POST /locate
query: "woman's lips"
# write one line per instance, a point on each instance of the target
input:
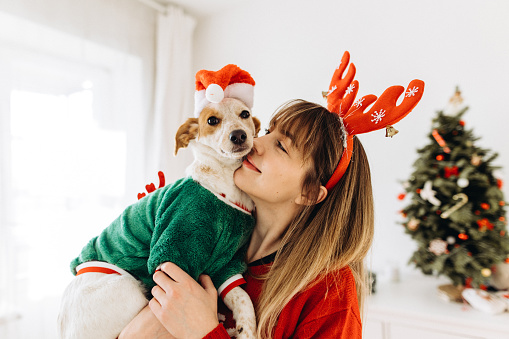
(248, 163)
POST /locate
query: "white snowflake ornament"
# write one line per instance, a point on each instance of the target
(377, 116)
(350, 89)
(412, 92)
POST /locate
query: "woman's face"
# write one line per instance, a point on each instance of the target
(274, 170)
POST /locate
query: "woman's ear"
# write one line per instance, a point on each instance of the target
(304, 199)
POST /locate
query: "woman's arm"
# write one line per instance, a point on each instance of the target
(145, 326)
(187, 309)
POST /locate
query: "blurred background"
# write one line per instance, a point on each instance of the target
(92, 92)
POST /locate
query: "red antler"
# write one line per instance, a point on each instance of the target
(151, 187)
(385, 112)
(342, 92)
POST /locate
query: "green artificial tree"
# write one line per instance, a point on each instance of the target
(457, 209)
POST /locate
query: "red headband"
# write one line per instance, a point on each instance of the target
(383, 113)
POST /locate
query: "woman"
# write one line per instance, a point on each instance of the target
(306, 274)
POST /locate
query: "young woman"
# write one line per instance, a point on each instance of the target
(309, 178)
(306, 274)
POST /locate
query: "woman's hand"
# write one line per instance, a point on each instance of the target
(187, 309)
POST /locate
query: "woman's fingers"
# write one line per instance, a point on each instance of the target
(175, 272)
(185, 307)
(207, 284)
(155, 307)
(158, 293)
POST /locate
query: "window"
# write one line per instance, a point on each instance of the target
(71, 143)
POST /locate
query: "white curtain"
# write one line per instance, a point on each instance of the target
(173, 93)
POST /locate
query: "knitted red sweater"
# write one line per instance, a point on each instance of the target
(327, 310)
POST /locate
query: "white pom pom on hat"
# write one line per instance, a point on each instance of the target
(214, 93)
(229, 82)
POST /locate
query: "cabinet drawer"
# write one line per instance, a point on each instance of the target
(373, 329)
(398, 331)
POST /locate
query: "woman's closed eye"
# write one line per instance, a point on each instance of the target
(280, 145)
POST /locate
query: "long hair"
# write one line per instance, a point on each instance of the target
(327, 236)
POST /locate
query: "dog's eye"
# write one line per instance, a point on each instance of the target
(244, 114)
(212, 121)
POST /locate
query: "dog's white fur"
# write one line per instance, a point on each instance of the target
(97, 305)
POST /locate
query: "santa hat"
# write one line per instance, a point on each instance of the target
(229, 82)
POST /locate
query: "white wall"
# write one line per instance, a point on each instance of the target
(292, 47)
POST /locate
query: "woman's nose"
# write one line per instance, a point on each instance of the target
(258, 145)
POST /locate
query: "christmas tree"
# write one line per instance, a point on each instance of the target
(457, 209)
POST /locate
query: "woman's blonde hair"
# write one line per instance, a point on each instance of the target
(327, 236)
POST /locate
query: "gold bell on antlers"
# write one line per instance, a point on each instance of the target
(390, 131)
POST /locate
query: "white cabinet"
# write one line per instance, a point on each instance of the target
(412, 309)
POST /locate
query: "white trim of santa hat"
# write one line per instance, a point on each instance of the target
(229, 82)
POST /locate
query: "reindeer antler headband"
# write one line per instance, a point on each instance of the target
(383, 113)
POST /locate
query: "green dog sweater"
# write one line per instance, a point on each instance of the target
(183, 223)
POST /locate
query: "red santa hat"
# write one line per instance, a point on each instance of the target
(229, 82)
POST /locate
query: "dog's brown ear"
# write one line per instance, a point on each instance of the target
(257, 125)
(186, 132)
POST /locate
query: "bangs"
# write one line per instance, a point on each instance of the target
(302, 122)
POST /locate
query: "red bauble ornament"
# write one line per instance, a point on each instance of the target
(484, 224)
(463, 236)
(440, 157)
(462, 123)
(500, 183)
(485, 206)
(401, 196)
(448, 171)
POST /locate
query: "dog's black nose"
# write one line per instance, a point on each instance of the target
(238, 136)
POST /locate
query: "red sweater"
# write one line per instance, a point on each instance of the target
(310, 314)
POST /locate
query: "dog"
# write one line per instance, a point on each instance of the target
(104, 296)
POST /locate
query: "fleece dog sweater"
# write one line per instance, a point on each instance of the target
(183, 223)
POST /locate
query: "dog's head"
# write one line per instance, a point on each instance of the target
(226, 127)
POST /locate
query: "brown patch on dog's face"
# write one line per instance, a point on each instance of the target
(186, 132)
(209, 121)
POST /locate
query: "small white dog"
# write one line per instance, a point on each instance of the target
(201, 224)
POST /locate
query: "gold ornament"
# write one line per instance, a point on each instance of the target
(390, 131)
(413, 224)
(476, 160)
(456, 99)
(324, 94)
(486, 272)
(455, 103)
